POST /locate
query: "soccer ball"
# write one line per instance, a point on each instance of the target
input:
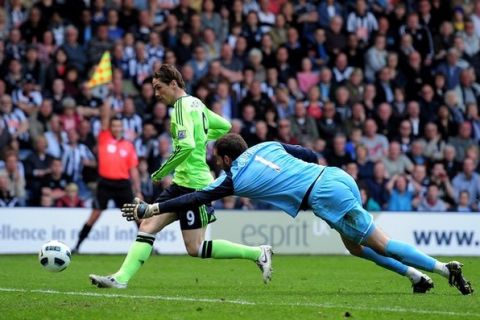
(54, 256)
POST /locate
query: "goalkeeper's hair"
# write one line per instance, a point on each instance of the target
(167, 73)
(231, 145)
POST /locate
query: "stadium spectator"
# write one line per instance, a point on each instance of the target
(14, 171)
(434, 145)
(46, 48)
(463, 202)
(7, 199)
(54, 183)
(376, 144)
(367, 202)
(71, 198)
(431, 201)
(75, 53)
(400, 196)
(376, 185)
(337, 155)
(362, 22)
(375, 58)
(468, 180)
(462, 141)
(36, 168)
(304, 127)
(395, 162)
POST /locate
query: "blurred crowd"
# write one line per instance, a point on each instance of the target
(385, 89)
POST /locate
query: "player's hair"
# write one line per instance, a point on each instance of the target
(231, 145)
(167, 73)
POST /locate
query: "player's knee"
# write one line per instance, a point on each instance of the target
(355, 250)
(192, 248)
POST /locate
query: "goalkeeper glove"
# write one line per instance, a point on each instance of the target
(139, 210)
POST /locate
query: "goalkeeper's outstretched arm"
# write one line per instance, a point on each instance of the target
(222, 187)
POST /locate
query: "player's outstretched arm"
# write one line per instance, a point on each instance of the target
(217, 126)
(222, 187)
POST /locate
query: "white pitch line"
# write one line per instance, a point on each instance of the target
(243, 302)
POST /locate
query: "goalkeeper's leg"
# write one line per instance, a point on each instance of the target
(421, 283)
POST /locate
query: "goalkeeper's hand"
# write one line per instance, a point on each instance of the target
(139, 210)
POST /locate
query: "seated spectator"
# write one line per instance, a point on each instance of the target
(36, 168)
(368, 203)
(446, 126)
(434, 145)
(405, 137)
(473, 117)
(285, 132)
(54, 183)
(13, 170)
(306, 77)
(468, 90)
(439, 177)
(462, 141)
(27, 97)
(396, 162)
(7, 199)
(69, 118)
(75, 157)
(365, 166)
(377, 144)
(375, 58)
(248, 124)
(416, 153)
(71, 198)
(450, 164)
(132, 122)
(15, 119)
(341, 70)
(400, 196)
(355, 86)
(387, 123)
(258, 99)
(468, 180)
(431, 202)
(463, 202)
(451, 69)
(337, 155)
(329, 123)
(377, 185)
(304, 127)
(362, 22)
(352, 169)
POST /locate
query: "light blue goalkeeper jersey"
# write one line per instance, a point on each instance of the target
(271, 172)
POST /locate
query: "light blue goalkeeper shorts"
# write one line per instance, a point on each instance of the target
(335, 198)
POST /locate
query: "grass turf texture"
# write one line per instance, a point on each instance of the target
(180, 287)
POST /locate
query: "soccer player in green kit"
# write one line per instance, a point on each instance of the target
(192, 126)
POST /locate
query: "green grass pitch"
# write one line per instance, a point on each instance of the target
(180, 287)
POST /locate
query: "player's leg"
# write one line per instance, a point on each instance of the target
(421, 283)
(411, 256)
(194, 224)
(138, 253)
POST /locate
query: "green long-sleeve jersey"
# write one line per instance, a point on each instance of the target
(192, 125)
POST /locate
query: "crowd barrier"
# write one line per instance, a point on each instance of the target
(23, 230)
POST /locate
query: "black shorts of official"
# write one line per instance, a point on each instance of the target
(120, 191)
(189, 219)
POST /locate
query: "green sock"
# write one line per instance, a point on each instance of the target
(138, 253)
(223, 249)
